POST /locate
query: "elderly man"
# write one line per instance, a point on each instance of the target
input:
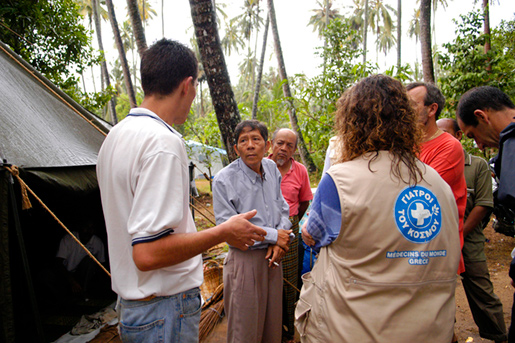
(439, 149)
(297, 193)
(253, 279)
(487, 115)
(485, 305)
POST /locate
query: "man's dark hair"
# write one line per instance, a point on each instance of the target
(254, 125)
(164, 65)
(279, 129)
(433, 95)
(481, 98)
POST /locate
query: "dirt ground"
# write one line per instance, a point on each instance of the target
(497, 248)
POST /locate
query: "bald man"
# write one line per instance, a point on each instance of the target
(296, 191)
(485, 305)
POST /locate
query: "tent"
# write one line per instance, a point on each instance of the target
(54, 143)
(208, 160)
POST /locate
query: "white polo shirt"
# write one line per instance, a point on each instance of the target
(142, 173)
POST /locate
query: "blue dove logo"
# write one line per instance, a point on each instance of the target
(417, 214)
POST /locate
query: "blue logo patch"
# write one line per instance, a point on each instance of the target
(417, 214)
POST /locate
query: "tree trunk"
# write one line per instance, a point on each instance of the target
(486, 9)
(325, 38)
(137, 25)
(121, 52)
(93, 79)
(254, 60)
(304, 153)
(260, 70)
(399, 33)
(163, 18)
(213, 62)
(105, 73)
(365, 30)
(425, 41)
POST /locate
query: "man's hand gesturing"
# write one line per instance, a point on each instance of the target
(240, 233)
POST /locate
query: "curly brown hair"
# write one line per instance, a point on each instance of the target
(376, 114)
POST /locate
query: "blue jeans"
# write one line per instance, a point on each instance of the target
(173, 318)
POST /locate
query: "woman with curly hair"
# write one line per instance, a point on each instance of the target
(387, 229)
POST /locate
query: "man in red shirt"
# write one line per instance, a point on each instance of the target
(440, 150)
(297, 193)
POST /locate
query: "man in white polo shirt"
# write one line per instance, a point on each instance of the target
(154, 247)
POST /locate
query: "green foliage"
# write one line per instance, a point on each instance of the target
(93, 102)
(51, 38)
(203, 129)
(503, 41)
(123, 105)
(272, 105)
(404, 74)
(464, 64)
(316, 97)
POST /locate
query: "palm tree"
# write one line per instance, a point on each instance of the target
(232, 38)
(146, 11)
(414, 25)
(382, 24)
(486, 9)
(378, 17)
(137, 25)
(86, 9)
(304, 153)
(121, 53)
(365, 30)
(247, 68)
(425, 41)
(162, 18)
(248, 23)
(213, 62)
(385, 40)
(399, 33)
(323, 16)
(320, 20)
(105, 74)
(414, 28)
(260, 69)
(433, 25)
(129, 43)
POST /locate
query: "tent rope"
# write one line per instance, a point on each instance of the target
(52, 91)
(25, 201)
(16, 173)
(196, 208)
(202, 205)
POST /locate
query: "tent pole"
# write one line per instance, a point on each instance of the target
(25, 261)
(191, 178)
(6, 300)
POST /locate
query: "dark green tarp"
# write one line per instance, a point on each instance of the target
(53, 142)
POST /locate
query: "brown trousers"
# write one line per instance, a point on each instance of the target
(252, 297)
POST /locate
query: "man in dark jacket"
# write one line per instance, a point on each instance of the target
(487, 115)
